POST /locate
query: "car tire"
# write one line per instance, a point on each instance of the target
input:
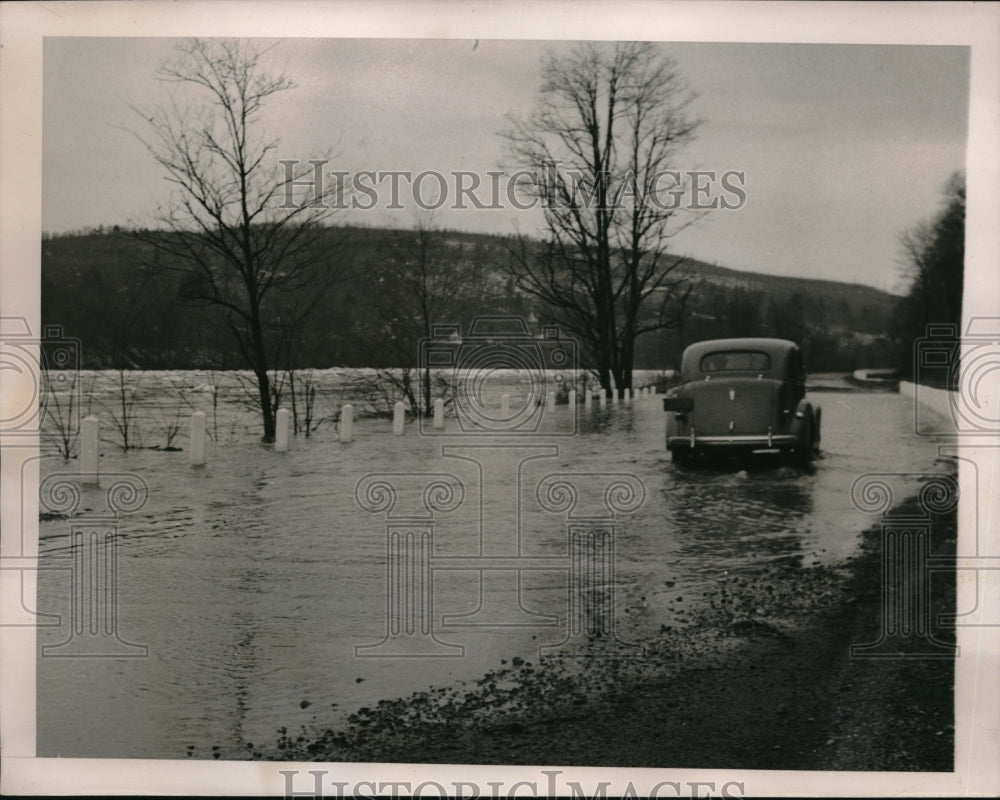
(807, 442)
(681, 456)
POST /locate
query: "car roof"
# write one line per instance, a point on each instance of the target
(753, 343)
(778, 349)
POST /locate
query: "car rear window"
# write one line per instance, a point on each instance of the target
(735, 361)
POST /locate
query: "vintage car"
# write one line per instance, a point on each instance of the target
(742, 396)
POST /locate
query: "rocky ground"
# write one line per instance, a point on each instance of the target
(762, 680)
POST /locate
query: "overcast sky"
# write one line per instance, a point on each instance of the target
(842, 146)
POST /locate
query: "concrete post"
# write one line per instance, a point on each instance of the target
(347, 423)
(197, 443)
(90, 451)
(281, 430)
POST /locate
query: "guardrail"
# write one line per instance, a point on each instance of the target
(875, 374)
(940, 401)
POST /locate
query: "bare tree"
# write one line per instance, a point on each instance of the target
(124, 413)
(124, 305)
(61, 412)
(248, 232)
(601, 142)
(423, 283)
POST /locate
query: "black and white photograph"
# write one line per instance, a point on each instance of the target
(451, 399)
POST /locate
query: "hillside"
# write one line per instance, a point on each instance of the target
(126, 303)
(855, 295)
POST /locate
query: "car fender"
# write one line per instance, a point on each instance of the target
(803, 420)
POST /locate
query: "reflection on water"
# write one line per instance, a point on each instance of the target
(609, 419)
(253, 579)
(728, 518)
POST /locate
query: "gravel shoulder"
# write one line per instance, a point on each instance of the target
(762, 680)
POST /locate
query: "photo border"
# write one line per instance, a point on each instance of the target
(23, 27)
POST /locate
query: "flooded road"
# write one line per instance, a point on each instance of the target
(253, 580)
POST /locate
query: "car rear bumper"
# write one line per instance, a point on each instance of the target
(751, 441)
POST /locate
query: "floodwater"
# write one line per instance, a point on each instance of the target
(251, 581)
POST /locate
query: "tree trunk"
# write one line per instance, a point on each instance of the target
(604, 375)
(294, 401)
(263, 382)
(260, 358)
(266, 410)
(626, 359)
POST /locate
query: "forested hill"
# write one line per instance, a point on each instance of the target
(128, 307)
(856, 295)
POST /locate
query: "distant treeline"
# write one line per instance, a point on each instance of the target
(129, 305)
